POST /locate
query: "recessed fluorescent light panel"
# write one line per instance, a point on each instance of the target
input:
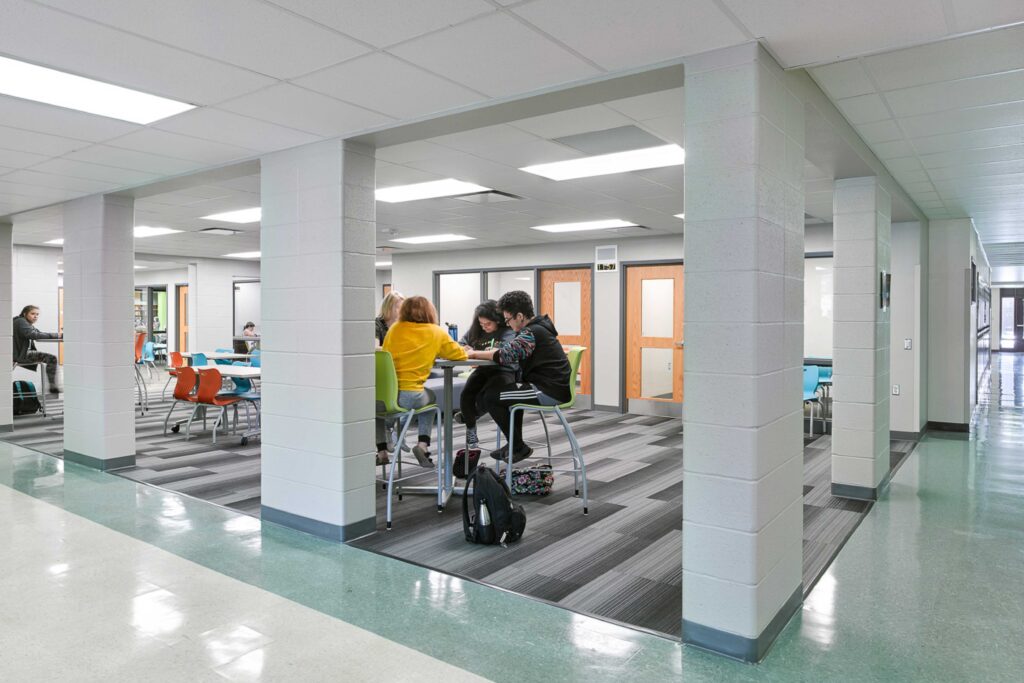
(606, 224)
(605, 164)
(148, 231)
(49, 86)
(139, 267)
(252, 215)
(681, 215)
(383, 264)
(59, 240)
(243, 254)
(432, 239)
(449, 187)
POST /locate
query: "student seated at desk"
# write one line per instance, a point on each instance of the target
(415, 342)
(487, 331)
(542, 378)
(389, 308)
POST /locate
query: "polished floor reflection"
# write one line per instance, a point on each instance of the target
(103, 578)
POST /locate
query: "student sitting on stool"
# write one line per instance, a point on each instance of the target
(25, 334)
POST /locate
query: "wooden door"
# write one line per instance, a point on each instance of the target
(565, 298)
(654, 333)
(182, 318)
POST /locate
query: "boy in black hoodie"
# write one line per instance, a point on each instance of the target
(544, 372)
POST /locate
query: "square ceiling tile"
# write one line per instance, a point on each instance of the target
(302, 109)
(234, 129)
(386, 22)
(880, 131)
(88, 49)
(131, 159)
(655, 105)
(59, 182)
(573, 122)
(257, 36)
(37, 143)
(13, 159)
(181, 146)
(109, 174)
(863, 109)
(843, 79)
(45, 118)
(387, 84)
(467, 54)
(992, 137)
(961, 120)
(977, 91)
(620, 35)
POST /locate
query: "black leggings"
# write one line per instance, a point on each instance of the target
(499, 398)
(479, 381)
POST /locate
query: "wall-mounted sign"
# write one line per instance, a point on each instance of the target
(606, 259)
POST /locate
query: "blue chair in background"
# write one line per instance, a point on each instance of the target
(199, 359)
(148, 358)
(811, 394)
(824, 373)
(223, 361)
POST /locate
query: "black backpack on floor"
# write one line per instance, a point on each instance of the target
(494, 519)
(26, 401)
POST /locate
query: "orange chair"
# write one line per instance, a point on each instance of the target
(210, 382)
(140, 341)
(187, 379)
(177, 361)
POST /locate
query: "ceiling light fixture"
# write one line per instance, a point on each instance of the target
(252, 215)
(605, 224)
(432, 239)
(59, 240)
(139, 267)
(49, 86)
(449, 187)
(383, 264)
(605, 164)
(243, 254)
(148, 231)
(681, 216)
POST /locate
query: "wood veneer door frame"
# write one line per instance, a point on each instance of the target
(546, 279)
(636, 342)
(181, 317)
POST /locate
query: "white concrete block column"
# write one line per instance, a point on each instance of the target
(318, 242)
(99, 381)
(862, 231)
(6, 331)
(742, 444)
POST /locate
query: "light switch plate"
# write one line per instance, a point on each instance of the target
(907, 344)
(895, 389)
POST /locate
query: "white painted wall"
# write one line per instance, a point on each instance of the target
(211, 298)
(35, 281)
(169, 279)
(908, 412)
(247, 305)
(383, 277)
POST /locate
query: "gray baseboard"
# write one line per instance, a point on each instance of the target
(949, 426)
(6, 428)
(315, 527)
(654, 408)
(906, 436)
(740, 647)
(102, 464)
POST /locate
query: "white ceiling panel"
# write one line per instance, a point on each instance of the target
(37, 143)
(655, 105)
(864, 108)
(254, 35)
(233, 129)
(467, 54)
(971, 15)
(963, 120)
(844, 79)
(58, 182)
(977, 91)
(121, 177)
(619, 35)
(973, 156)
(582, 120)
(880, 131)
(286, 104)
(181, 147)
(131, 159)
(802, 32)
(390, 21)
(44, 118)
(14, 159)
(387, 84)
(52, 38)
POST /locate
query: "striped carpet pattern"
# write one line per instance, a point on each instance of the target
(622, 562)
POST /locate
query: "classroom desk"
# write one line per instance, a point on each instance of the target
(241, 372)
(448, 409)
(219, 355)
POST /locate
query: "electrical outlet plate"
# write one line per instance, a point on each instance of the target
(895, 389)
(907, 344)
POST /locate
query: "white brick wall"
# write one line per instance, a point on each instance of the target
(99, 402)
(318, 293)
(860, 424)
(742, 514)
(6, 329)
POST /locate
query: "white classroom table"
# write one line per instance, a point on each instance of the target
(219, 355)
(239, 371)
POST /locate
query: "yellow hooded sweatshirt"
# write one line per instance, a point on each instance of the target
(415, 347)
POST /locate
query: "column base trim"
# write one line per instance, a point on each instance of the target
(315, 527)
(906, 436)
(102, 464)
(949, 426)
(4, 429)
(740, 647)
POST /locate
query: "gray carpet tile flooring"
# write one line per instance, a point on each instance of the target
(620, 562)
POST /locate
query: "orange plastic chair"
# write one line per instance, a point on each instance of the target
(140, 341)
(187, 379)
(210, 383)
(177, 361)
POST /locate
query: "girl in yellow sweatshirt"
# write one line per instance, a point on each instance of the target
(414, 343)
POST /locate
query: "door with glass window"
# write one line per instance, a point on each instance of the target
(1011, 319)
(182, 318)
(565, 298)
(654, 339)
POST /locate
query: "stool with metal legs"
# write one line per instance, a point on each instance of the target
(41, 394)
(579, 468)
(387, 395)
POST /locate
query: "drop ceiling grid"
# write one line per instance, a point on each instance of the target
(960, 150)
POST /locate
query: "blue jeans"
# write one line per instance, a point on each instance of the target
(411, 400)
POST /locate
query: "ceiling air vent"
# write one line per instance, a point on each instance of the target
(489, 197)
(218, 231)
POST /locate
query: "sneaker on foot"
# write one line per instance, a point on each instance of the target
(383, 458)
(471, 438)
(500, 454)
(422, 455)
(457, 417)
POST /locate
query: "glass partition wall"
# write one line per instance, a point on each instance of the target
(456, 294)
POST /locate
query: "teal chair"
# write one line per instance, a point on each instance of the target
(148, 359)
(579, 469)
(811, 375)
(223, 361)
(388, 408)
(199, 359)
